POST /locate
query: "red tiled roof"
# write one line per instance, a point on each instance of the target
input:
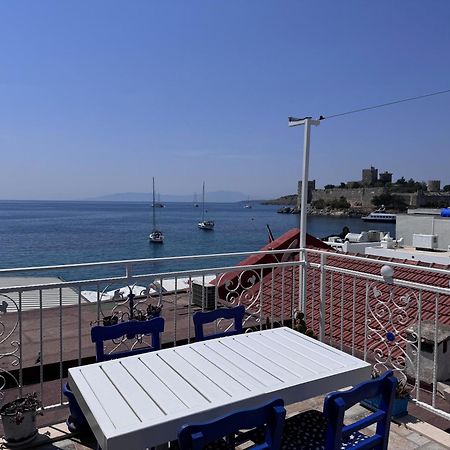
(345, 298)
(288, 240)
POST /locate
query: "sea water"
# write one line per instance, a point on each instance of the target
(38, 233)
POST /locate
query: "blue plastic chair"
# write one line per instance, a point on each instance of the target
(76, 422)
(202, 318)
(222, 433)
(316, 430)
(130, 329)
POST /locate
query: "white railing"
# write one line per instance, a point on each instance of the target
(45, 323)
(387, 313)
(350, 302)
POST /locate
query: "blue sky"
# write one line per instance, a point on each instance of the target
(98, 96)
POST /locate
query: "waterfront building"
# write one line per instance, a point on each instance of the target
(424, 221)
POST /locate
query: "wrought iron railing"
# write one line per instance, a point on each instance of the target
(388, 313)
(45, 325)
(354, 303)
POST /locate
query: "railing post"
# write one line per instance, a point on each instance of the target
(419, 345)
(20, 345)
(302, 282)
(129, 271)
(323, 280)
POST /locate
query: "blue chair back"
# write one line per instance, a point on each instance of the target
(202, 318)
(269, 416)
(336, 403)
(130, 329)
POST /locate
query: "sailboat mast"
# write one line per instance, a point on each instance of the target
(203, 203)
(154, 206)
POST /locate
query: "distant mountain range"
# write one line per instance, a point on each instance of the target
(216, 197)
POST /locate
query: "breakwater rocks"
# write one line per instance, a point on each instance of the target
(288, 210)
(338, 212)
(326, 212)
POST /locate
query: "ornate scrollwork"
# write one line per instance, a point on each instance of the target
(7, 330)
(388, 319)
(243, 288)
(129, 303)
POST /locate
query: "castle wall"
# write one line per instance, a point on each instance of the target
(438, 199)
(356, 197)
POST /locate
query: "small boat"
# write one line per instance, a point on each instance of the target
(156, 236)
(380, 215)
(205, 224)
(248, 205)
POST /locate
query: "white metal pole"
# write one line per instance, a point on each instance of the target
(307, 121)
(303, 215)
(304, 200)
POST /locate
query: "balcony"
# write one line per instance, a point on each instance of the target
(385, 312)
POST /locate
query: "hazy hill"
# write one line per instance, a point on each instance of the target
(217, 196)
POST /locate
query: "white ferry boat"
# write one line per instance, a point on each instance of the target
(380, 215)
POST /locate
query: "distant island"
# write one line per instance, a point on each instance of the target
(216, 197)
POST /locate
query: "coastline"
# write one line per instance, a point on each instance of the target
(356, 213)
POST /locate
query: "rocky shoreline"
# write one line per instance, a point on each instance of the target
(351, 212)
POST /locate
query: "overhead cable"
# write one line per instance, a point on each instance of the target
(382, 105)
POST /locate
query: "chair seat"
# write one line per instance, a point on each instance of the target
(307, 431)
(219, 444)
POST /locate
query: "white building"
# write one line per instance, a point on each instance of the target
(425, 222)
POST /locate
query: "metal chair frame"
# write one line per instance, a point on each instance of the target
(269, 416)
(204, 317)
(130, 329)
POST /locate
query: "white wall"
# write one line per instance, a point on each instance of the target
(409, 224)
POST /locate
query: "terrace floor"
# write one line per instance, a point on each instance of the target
(406, 433)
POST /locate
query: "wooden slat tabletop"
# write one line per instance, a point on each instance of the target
(142, 401)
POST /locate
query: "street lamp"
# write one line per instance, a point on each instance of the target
(293, 122)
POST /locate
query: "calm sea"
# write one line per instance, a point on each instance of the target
(50, 233)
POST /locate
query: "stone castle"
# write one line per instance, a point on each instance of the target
(360, 193)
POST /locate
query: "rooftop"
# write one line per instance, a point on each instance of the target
(348, 305)
(408, 253)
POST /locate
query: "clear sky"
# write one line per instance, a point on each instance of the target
(98, 96)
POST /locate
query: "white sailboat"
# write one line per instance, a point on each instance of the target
(156, 235)
(205, 224)
(248, 204)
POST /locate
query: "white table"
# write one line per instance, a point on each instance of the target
(143, 400)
